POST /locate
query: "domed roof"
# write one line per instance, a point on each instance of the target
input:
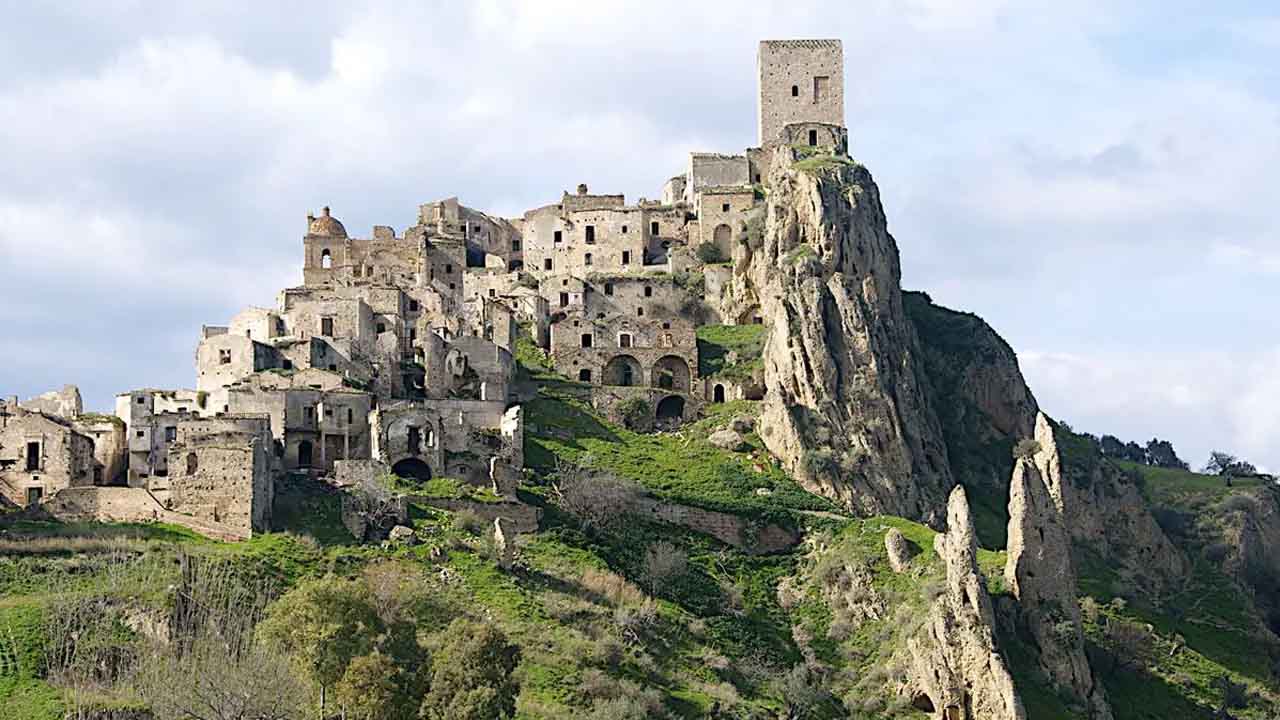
(326, 224)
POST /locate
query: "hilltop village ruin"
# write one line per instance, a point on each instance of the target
(396, 353)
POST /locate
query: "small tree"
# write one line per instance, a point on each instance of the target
(1228, 465)
(635, 414)
(472, 674)
(323, 624)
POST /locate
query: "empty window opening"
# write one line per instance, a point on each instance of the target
(448, 269)
(333, 367)
(624, 229)
(795, 91)
(193, 463)
(653, 228)
(171, 434)
(351, 416)
(586, 259)
(141, 433)
(666, 326)
(546, 264)
(287, 364)
(558, 236)
(591, 234)
(564, 299)
(142, 400)
(493, 293)
(586, 340)
(381, 328)
(584, 375)
(624, 340)
(717, 395)
(608, 288)
(648, 291)
(515, 246)
(820, 85)
(33, 496)
(813, 137)
(224, 357)
(757, 177)
(326, 326)
(326, 259)
(309, 413)
(304, 453)
(626, 257)
(33, 456)
(724, 207)
(415, 440)
(639, 312)
(453, 286)
(413, 306)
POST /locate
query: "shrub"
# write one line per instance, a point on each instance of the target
(663, 563)
(635, 414)
(1239, 503)
(598, 499)
(611, 586)
(1130, 643)
(710, 253)
(469, 521)
(1026, 448)
(471, 675)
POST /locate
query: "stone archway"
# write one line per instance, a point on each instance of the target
(670, 410)
(721, 236)
(671, 372)
(623, 370)
(412, 468)
(717, 393)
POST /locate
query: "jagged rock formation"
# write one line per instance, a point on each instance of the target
(954, 661)
(846, 411)
(1041, 576)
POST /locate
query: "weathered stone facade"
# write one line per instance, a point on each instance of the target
(40, 454)
(799, 81)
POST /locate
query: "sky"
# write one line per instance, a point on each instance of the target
(1100, 183)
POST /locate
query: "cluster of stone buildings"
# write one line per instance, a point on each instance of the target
(398, 349)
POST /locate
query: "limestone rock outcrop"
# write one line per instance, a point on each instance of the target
(954, 661)
(846, 409)
(898, 550)
(1040, 574)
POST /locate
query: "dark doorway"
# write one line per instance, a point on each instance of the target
(33, 496)
(304, 454)
(813, 137)
(33, 456)
(415, 440)
(584, 375)
(717, 395)
(412, 468)
(671, 409)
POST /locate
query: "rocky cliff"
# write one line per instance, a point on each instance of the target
(1040, 574)
(846, 410)
(954, 661)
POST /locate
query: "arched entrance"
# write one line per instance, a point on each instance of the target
(670, 410)
(671, 373)
(717, 394)
(412, 468)
(304, 454)
(721, 236)
(622, 370)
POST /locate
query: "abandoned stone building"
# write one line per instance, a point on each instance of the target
(40, 454)
(397, 350)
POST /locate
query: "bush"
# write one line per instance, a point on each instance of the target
(663, 563)
(469, 521)
(1239, 503)
(1026, 448)
(598, 499)
(1131, 643)
(635, 414)
(471, 675)
(710, 253)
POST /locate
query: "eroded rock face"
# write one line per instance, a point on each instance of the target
(845, 411)
(1040, 572)
(954, 661)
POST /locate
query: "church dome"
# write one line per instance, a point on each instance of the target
(326, 225)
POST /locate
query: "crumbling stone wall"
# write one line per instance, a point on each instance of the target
(222, 472)
(64, 403)
(40, 455)
(722, 216)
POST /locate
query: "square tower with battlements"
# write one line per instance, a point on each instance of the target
(801, 81)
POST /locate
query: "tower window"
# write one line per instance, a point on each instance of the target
(546, 264)
(558, 236)
(639, 312)
(813, 137)
(586, 259)
(795, 91)
(724, 207)
(653, 228)
(648, 291)
(326, 326)
(626, 257)
(624, 229)
(591, 234)
(586, 340)
(624, 340)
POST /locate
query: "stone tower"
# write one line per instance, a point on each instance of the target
(800, 81)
